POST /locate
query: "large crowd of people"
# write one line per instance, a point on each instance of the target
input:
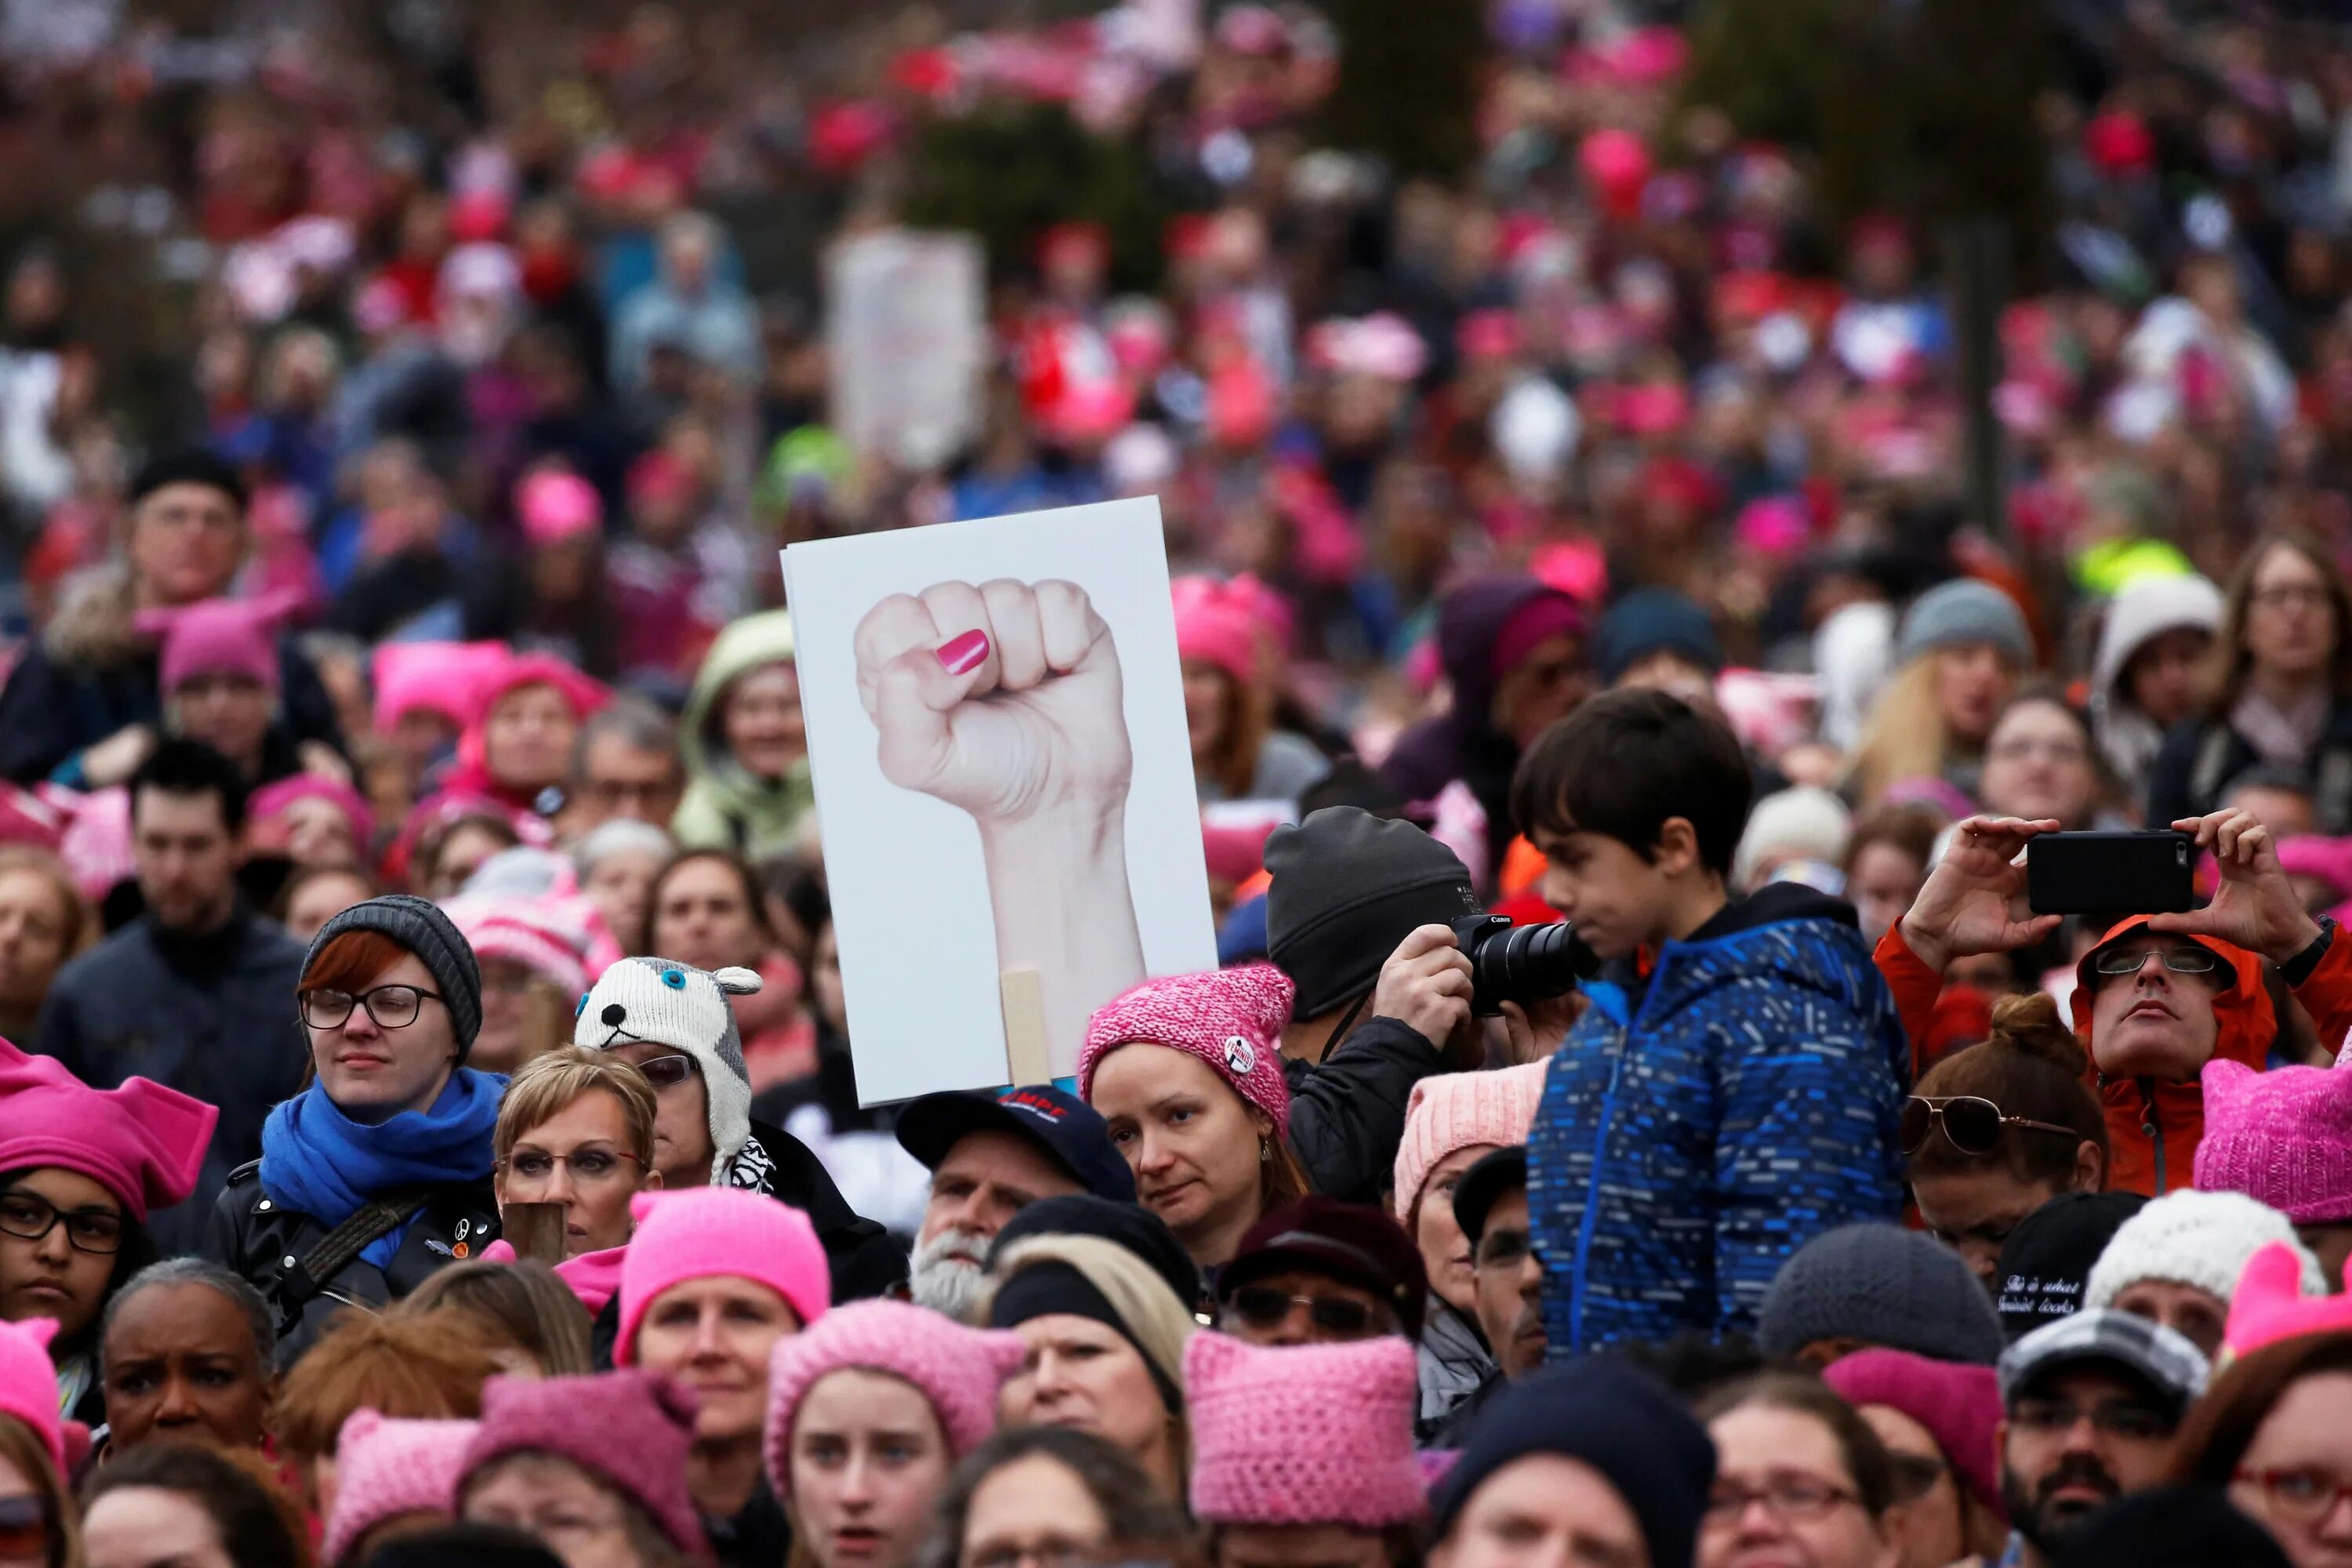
(429, 1116)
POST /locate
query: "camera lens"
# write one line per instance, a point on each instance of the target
(1525, 964)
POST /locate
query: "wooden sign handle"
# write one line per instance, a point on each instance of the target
(534, 1230)
(1023, 1000)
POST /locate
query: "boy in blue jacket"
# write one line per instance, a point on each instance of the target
(1733, 1090)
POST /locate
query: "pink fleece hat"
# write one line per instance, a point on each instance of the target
(140, 1141)
(1303, 1433)
(553, 506)
(1461, 1110)
(631, 1429)
(701, 1233)
(28, 1382)
(2283, 1136)
(957, 1369)
(384, 1469)
(1230, 1018)
(1959, 1405)
(2270, 1305)
(1216, 626)
(218, 636)
(431, 678)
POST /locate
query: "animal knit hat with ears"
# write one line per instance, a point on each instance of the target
(663, 1002)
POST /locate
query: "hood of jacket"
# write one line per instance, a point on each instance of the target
(1785, 929)
(2141, 614)
(1470, 620)
(745, 644)
(94, 623)
(2154, 1126)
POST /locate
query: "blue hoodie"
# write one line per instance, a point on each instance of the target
(1697, 1129)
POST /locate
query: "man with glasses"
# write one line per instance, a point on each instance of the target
(1490, 1204)
(2090, 1408)
(625, 764)
(2159, 997)
(197, 994)
(1320, 1271)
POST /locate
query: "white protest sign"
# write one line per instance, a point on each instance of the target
(906, 342)
(1003, 779)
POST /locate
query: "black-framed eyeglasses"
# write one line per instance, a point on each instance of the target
(2187, 958)
(1970, 1123)
(1263, 1307)
(391, 1006)
(668, 1071)
(1916, 1475)
(1794, 1497)
(30, 1216)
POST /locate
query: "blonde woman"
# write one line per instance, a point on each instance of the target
(576, 1128)
(1960, 649)
(1105, 1338)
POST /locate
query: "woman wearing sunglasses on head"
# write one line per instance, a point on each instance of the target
(1998, 1128)
(379, 1172)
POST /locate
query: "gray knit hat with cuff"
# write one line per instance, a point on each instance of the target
(421, 928)
(1886, 1288)
(1963, 611)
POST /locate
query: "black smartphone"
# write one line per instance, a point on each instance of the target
(2146, 872)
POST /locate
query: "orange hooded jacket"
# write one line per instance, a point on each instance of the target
(2153, 1127)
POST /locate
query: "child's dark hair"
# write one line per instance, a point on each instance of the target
(1624, 763)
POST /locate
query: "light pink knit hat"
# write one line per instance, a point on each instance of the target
(1462, 1110)
(1230, 1018)
(703, 1233)
(957, 1369)
(28, 1382)
(386, 1467)
(2283, 1136)
(1304, 1434)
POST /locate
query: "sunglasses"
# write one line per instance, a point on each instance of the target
(1972, 1124)
(1263, 1307)
(23, 1527)
(669, 1071)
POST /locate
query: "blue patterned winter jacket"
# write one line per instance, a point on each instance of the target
(1696, 1132)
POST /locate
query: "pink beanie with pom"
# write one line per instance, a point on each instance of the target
(384, 1469)
(2284, 1137)
(704, 1233)
(1230, 1018)
(1303, 1433)
(1459, 1111)
(957, 1369)
(28, 1383)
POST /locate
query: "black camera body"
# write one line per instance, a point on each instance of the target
(1521, 964)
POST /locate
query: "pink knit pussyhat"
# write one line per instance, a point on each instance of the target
(1457, 1110)
(631, 1430)
(28, 1383)
(2284, 1137)
(1303, 1433)
(1214, 626)
(1959, 1406)
(1230, 1018)
(218, 636)
(384, 1469)
(707, 1233)
(957, 1370)
(2270, 1305)
(142, 1142)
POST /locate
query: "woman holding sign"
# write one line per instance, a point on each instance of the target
(1187, 1071)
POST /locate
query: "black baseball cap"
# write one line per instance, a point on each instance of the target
(1062, 1124)
(1504, 1171)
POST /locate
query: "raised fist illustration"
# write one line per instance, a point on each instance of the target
(1004, 699)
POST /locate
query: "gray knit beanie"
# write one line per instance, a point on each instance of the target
(1890, 1289)
(435, 939)
(1963, 611)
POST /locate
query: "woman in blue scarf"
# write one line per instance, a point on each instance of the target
(379, 1172)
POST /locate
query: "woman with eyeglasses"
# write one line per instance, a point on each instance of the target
(2271, 1430)
(2041, 761)
(1998, 1129)
(2279, 692)
(1053, 1497)
(1938, 1420)
(80, 1169)
(379, 1172)
(1799, 1478)
(576, 1128)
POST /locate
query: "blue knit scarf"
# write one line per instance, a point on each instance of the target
(316, 1160)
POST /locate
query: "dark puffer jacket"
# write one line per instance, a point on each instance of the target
(263, 1242)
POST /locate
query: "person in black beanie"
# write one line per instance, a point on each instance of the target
(2172, 1527)
(2047, 1258)
(86, 697)
(1131, 1224)
(1591, 1452)
(1358, 916)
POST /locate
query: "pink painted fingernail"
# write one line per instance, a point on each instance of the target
(959, 654)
